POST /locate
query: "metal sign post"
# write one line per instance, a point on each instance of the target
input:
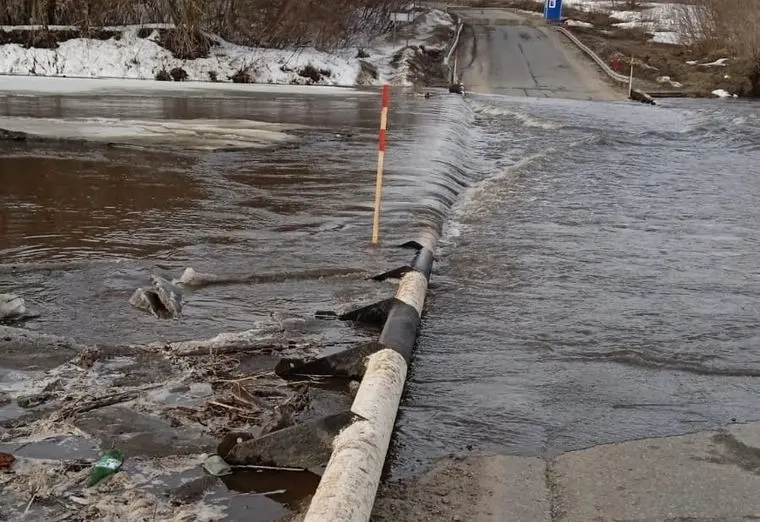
(400, 17)
(630, 81)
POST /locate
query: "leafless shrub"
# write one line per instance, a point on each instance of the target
(243, 75)
(270, 23)
(163, 76)
(178, 74)
(729, 26)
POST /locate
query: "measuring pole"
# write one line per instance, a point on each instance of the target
(380, 160)
(630, 81)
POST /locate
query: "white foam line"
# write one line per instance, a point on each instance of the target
(122, 86)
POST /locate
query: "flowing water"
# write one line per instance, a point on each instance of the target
(596, 280)
(600, 285)
(83, 225)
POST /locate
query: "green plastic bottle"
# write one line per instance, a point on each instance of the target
(108, 464)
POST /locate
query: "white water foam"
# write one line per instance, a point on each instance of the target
(482, 197)
(527, 119)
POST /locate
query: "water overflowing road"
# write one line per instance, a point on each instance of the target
(284, 215)
(596, 281)
(600, 285)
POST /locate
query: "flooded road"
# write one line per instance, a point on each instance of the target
(601, 285)
(87, 221)
(596, 281)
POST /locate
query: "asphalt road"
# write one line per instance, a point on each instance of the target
(707, 477)
(503, 52)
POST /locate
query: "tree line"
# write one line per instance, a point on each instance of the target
(269, 23)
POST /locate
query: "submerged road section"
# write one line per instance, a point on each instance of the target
(589, 349)
(505, 52)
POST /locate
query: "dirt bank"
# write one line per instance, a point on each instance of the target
(412, 55)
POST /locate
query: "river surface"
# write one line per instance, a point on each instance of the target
(597, 278)
(83, 225)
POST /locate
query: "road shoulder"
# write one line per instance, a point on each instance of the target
(710, 475)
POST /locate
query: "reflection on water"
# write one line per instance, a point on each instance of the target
(197, 133)
(71, 208)
(286, 487)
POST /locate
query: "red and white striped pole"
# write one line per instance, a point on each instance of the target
(380, 160)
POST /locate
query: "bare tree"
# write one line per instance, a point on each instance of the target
(729, 26)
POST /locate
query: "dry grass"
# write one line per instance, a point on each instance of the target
(727, 28)
(269, 23)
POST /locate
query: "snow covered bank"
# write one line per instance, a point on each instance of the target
(658, 19)
(135, 53)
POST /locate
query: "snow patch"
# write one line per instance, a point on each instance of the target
(722, 93)
(578, 23)
(141, 58)
(668, 80)
(666, 37)
(660, 19)
(392, 59)
(132, 57)
(721, 62)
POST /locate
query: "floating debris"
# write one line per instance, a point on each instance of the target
(11, 307)
(216, 466)
(164, 300)
(106, 465)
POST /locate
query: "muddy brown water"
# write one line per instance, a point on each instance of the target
(84, 224)
(596, 281)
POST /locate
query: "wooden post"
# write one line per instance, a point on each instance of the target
(630, 81)
(380, 161)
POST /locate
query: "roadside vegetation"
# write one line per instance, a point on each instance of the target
(720, 42)
(274, 24)
(726, 28)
